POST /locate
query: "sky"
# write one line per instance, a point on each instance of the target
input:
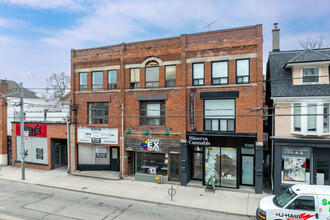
(36, 36)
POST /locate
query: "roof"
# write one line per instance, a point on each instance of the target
(311, 189)
(281, 78)
(13, 90)
(309, 56)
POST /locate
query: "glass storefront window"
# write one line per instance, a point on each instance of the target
(151, 163)
(295, 169)
(228, 167)
(212, 165)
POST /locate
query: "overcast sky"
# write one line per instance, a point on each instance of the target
(36, 36)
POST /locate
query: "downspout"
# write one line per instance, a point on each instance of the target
(272, 143)
(68, 143)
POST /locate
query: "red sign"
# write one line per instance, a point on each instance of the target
(35, 130)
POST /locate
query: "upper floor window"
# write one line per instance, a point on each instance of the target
(170, 76)
(198, 74)
(152, 113)
(297, 117)
(311, 123)
(310, 75)
(311, 118)
(326, 112)
(112, 76)
(220, 72)
(152, 74)
(98, 113)
(135, 78)
(83, 81)
(242, 71)
(219, 115)
(97, 80)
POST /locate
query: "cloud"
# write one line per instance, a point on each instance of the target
(48, 4)
(4, 23)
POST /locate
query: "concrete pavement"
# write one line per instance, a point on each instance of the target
(225, 201)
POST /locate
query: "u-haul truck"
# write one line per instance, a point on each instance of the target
(299, 202)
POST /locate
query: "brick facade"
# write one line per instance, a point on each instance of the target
(183, 51)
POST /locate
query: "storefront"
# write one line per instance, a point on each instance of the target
(300, 161)
(227, 161)
(154, 157)
(45, 145)
(98, 149)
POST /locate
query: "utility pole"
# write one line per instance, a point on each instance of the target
(21, 94)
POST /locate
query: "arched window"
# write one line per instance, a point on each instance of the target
(152, 74)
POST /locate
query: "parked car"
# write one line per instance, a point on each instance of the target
(299, 202)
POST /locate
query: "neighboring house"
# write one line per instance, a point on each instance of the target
(46, 121)
(181, 107)
(298, 94)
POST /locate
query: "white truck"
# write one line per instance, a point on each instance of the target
(299, 202)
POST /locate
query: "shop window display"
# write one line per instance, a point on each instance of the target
(221, 166)
(151, 163)
(295, 165)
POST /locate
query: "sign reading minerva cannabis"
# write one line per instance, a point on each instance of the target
(98, 135)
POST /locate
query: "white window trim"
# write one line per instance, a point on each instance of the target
(304, 119)
(302, 75)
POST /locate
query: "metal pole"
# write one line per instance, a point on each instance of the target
(122, 140)
(68, 143)
(21, 94)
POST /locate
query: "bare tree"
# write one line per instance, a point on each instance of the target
(314, 44)
(58, 84)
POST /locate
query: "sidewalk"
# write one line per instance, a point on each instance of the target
(222, 200)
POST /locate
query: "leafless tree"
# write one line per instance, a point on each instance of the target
(58, 84)
(314, 44)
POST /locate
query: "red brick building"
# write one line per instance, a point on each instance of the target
(182, 107)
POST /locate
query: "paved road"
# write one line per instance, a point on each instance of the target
(27, 201)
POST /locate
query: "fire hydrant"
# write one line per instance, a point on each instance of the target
(160, 179)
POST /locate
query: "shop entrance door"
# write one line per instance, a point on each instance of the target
(174, 173)
(247, 170)
(60, 155)
(322, 172)
(114, 158)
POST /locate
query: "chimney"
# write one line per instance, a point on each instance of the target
(276, 38)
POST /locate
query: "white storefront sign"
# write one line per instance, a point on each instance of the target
(98, 135)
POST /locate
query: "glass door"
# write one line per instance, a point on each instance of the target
(247, 170)
(197, 163)
(114, 158)
(322, 172)
(174, 173)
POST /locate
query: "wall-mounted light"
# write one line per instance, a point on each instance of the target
(146, 132)
(128, 131)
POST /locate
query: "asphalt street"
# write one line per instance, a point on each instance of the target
(27, 201)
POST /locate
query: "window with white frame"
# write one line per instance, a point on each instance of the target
(297, 117)
(112, 77)
(326, 123)
(83, 81)
(220, 72)
(310, 75)
(311, 118)
(243, 71)
(134, 78)
(97, 80)
(152, 76)
(311, 121)
(170, 75)
(219, 115)
(198, 74)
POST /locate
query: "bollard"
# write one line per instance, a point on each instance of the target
(171, 192)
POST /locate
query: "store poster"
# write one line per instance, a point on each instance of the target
(294, 169)
(98, 135)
